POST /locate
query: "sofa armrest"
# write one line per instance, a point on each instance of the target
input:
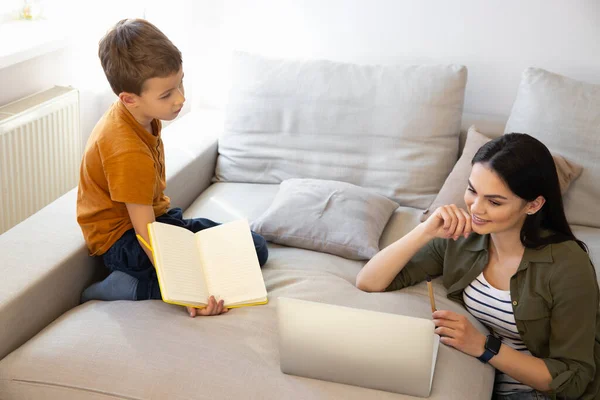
(44, 266)
(44, 262)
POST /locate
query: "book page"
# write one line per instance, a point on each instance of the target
(178, 264)
(230, 263)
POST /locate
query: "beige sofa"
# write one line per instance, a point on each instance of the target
(53, 348)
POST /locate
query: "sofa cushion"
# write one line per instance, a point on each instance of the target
(328, 216)
(392, 129)
(455, 185)
(591, 237)
(222, 202)
(565, 115)
(153, 350)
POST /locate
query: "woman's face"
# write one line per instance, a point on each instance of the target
(494, 208)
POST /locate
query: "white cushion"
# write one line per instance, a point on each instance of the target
(591, 237)
(328, 216)
(565, 115)
(393, 129)
(221, 202)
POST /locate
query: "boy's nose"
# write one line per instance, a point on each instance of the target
(181, 98)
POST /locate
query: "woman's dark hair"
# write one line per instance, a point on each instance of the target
(527, 167)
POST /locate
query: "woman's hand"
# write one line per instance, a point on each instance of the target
(457, 331)
(448, 222)
(212, 308)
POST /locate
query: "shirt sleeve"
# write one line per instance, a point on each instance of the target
(573, 326)
(131, 178)
(429, 260)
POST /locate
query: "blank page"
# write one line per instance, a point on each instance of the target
(179, 266)
(230, 263)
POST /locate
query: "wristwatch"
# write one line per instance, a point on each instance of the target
(492, 347)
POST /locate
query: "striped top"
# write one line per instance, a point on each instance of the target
(492, 307)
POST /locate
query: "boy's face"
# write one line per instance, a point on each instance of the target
(161, 98)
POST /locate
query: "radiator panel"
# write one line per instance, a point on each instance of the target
(40, 152)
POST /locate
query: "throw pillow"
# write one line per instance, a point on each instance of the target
(327, 216)
(390, 128)
(565, 115)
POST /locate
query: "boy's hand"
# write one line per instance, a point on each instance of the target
(213, 308)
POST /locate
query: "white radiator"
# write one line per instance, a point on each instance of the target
(40, 152)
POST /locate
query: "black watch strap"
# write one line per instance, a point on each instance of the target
(492, 347)
(486, 356)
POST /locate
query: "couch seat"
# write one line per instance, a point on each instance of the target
(153, 350)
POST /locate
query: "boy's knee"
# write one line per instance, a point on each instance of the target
(262, 251)
(263, 255)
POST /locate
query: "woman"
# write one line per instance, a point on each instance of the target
(513, 262)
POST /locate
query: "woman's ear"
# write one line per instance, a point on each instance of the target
(535, 205)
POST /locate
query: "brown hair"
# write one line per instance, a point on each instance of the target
(134, 51)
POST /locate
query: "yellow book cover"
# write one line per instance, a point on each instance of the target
(220, 261)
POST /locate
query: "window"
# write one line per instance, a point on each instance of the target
(9, 10)
(30, 28)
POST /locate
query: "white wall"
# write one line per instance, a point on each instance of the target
(496, 40)
(78, 65)
(70, 66)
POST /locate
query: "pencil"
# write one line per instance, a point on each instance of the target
(430, 289)
(141, 239)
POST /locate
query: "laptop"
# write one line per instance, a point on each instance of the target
(357, 347)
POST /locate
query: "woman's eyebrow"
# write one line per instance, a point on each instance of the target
(488, 196)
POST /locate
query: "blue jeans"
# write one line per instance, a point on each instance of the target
(127, 255)
(532, 395)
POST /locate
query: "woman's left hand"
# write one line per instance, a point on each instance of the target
(455, 330)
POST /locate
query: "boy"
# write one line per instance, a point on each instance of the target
(122, 175)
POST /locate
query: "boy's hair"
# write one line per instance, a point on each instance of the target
(134, 51)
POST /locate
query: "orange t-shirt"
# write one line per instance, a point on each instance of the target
(122, 163)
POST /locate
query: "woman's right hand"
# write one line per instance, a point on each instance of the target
(380, 271)
(448, 222)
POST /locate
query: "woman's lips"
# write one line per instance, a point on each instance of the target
(478, 221)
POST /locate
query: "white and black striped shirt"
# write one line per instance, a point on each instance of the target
(492, 307)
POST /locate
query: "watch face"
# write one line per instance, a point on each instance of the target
(493, 344)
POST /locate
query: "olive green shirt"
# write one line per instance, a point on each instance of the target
(555, 301)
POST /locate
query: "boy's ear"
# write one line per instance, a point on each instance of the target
(129, 99)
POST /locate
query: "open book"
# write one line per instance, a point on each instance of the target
(219, 261)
